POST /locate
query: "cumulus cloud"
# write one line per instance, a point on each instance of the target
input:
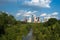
(44, 14)
(18, 14)
(25, 13)
(55, 13)
(40, 3)
(29, 13)
(48, 16)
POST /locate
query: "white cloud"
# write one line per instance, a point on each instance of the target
(40, 3)
(18, 14)
(25, 13)
(55, 13)
(5, 12)
(44, 14)
(48, 16)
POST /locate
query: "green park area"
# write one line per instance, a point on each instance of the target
(12, 29)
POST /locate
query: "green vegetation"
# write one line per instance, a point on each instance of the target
(11, 29)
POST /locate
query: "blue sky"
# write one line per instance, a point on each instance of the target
(23, 8)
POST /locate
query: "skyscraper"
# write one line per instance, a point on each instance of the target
(32, 19)
(38, 20)
(25, 19)
(29, 19)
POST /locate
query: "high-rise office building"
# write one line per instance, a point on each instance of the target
(29, 19)
(32, 18)
(25, 19)
(35, 19)
(38, 20)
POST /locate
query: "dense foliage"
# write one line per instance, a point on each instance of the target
(11, 29)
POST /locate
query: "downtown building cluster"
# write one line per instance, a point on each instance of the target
(32, 19)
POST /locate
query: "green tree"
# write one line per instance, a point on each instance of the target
(52, 21)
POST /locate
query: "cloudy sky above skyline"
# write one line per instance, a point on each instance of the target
(22, 8)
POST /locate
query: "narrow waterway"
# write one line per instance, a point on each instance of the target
(29, 35)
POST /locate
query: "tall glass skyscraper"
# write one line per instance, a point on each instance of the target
(32, 18)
